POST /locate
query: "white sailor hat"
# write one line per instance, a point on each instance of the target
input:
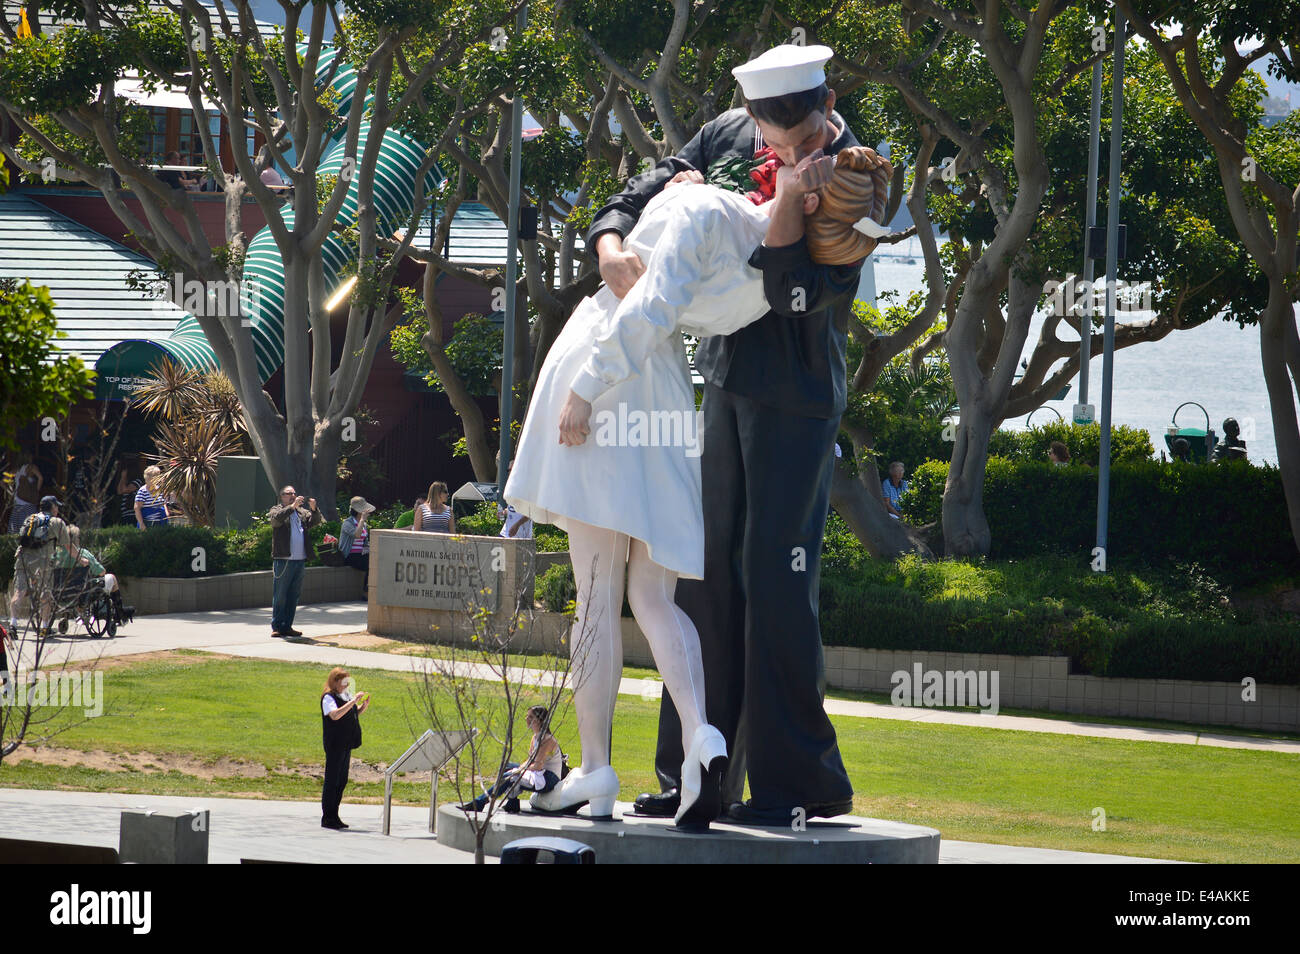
(783, 69)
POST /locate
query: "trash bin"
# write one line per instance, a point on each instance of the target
(542, 851)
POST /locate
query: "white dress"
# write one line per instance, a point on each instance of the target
(638, 472)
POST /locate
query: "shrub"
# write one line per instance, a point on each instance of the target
(160, 551)
(1127, 444)
(556, 588)
(484, 522)
(1228, 518)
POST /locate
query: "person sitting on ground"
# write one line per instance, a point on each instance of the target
(540, 773)
(893, 487)
(434, 516)
(354, 537)
(41, 538)
(150, 503)
(1232, 447)
(1058, 453)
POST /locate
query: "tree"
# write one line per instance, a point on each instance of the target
(1208, 50)
(993, 110)
(36, 381)
(298, 96)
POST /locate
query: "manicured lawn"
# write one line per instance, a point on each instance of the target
(1161, 800)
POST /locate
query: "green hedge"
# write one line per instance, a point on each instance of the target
(169, 551)
(1174, 624)
(1128, 445)
(1231, 518)
(916, 441)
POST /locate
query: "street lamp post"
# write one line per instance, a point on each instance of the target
(1112, 261)
(512, 268)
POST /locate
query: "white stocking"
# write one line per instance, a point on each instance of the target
(596, 644)
(672, 636)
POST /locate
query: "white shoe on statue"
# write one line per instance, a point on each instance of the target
(599, 789)
(701, 791)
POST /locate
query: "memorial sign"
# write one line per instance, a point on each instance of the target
(437, 571)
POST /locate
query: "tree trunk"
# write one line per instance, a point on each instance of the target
(325, 469)
(1281, 394)
(965, 528)
(881, 535)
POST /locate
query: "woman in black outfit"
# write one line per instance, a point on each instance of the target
(341, 730)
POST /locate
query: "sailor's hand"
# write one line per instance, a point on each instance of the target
(686, 175)
(574, 417)
(618, 268)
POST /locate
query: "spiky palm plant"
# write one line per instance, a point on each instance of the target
(221, 404)
(172, 392)
(188, 450)
(201, 420)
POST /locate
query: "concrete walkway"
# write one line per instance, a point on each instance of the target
(266, 830)
(246, 633)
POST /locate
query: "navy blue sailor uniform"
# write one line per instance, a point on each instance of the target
(773, 395)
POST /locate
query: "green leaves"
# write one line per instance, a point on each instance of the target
(474, 350)
(36, 380)
(61, 71)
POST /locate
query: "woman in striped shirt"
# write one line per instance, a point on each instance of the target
(150, 505)
(434, 516)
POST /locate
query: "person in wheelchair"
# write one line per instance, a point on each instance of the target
(86, 590)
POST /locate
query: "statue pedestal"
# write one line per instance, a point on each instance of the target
(847, 839)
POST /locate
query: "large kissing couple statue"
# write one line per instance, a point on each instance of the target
(721, 549)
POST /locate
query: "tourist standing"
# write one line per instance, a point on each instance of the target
(341, 733)
(40, 538)
(434, 515)
(27, 491)
(290, 520)
(128, 486)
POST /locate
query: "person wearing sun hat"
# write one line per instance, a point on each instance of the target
(354, 537)
(773, 395)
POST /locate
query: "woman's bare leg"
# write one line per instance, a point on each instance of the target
(596, 644)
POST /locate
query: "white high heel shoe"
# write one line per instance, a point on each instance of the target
(701, 793)
(599, 789)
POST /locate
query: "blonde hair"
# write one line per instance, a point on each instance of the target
(856, 190)
(151, 475)
(437, 487)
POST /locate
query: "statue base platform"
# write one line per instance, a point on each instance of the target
(634, 839)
